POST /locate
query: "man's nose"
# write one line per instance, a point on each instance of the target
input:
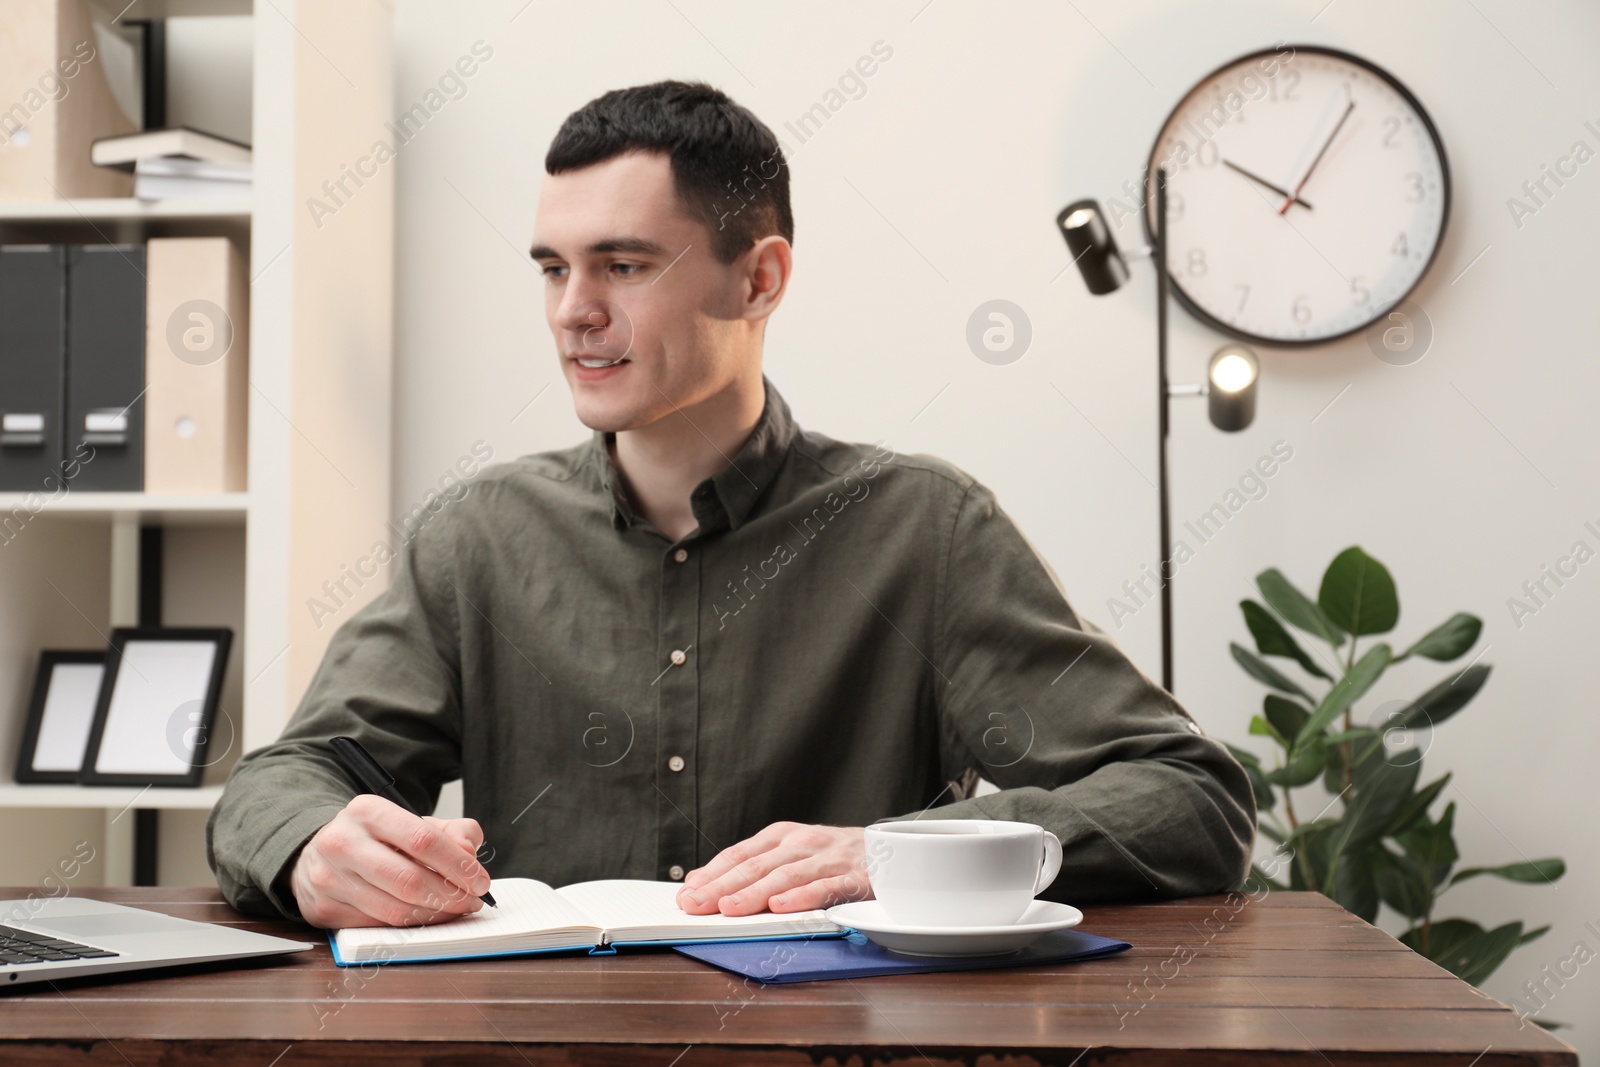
(581, 307)
(594, 325)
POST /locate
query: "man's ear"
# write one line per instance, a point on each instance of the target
(767, 266)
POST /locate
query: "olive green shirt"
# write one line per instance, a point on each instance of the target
(851, 634)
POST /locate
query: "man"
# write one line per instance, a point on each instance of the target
(707, 645)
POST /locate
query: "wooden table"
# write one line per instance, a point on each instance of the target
(1287, 978)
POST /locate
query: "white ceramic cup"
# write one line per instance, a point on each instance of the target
(959, 872)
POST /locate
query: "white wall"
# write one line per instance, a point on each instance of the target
(937, 190)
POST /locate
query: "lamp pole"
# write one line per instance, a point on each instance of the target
(1159, 255)
(1230, 387)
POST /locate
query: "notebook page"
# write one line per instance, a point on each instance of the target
(633, 909)
(524, 906)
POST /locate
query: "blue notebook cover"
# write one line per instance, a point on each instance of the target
(853, 956)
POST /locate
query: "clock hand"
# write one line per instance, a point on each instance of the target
(1351, 106)
(1262, 181)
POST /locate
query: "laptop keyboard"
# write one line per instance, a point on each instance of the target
(19, 947)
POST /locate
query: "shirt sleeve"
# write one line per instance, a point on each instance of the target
(1045, 705)
(390, 679)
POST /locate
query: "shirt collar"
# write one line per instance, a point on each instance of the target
(733, 490)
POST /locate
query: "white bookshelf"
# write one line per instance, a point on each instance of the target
(226, 509)
(320, 396)
(112, 798)
(125, 209)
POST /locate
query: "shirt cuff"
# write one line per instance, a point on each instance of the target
(272, 858)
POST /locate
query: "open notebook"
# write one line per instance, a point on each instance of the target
(532, 917)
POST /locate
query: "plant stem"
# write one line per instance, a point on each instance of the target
(1344, 747)
(1288, 807)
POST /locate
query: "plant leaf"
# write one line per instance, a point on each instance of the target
(1442, 701)
(1401, 884)
(1379, 791)
(1296, 608)
(1546, 870)
(1358, 594)
(1447, 641)
(1302, 768)
(1444, 937)
(1477, 959)
(1264, 672)
(1417, 806)
(1433, 845)
(1333, 777)
(1346, 691)
(1273, 640)
(1353, 885)
(1286, 716)
(1533, 935)
(1306, 830)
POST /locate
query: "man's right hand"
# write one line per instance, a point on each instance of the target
(370, 866)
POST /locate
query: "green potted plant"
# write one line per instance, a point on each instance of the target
(1375, 842)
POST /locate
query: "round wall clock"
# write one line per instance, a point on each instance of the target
(1307, 194)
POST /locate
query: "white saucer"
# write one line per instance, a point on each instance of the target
(1042, 917)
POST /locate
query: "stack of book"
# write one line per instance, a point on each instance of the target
(178, 162)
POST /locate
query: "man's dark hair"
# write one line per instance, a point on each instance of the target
(727, 167)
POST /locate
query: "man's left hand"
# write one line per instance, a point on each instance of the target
(789, 866)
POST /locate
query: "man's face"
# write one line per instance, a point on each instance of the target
(629, 276)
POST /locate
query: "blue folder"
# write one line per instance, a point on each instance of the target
(853, 956)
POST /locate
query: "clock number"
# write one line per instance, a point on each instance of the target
(1300, 310)
(1216, 154)
(1413, 182)
(1174, 207)
(1358, 291)
(1291, 80)
(1391, 134)
(1400, 247)
(1244, 294)
(1197, 261)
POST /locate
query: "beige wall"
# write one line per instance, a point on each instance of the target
(990, 117)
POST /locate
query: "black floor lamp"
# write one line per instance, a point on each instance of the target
(1231, 377)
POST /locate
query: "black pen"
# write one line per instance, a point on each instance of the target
(370, 776)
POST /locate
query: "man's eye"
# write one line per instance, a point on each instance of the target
(552, 273)
(629, 269)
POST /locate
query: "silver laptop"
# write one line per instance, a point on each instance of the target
(64, 937)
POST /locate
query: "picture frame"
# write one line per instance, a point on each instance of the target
(60, 719)
(156, 706)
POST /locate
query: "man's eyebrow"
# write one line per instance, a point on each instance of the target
(637, 245)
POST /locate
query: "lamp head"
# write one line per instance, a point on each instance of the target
(1232, 376)
(1093, 249)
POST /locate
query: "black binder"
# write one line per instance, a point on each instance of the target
(105, 366)
(32, 372)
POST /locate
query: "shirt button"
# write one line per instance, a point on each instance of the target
(675, 763)
(681, 555)
(678, 656)
(675, 873)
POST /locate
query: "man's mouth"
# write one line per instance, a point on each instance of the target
(586, 362)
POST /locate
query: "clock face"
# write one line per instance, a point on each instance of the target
(1307, 193)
